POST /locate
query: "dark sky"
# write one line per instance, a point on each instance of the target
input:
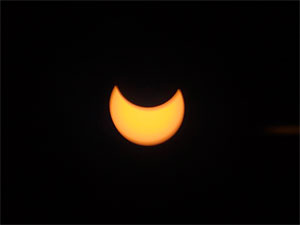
(237, 66)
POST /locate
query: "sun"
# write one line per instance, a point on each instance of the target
(146, 126)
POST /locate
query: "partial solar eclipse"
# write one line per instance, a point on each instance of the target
(146, 125)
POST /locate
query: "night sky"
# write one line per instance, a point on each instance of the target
(237, 64)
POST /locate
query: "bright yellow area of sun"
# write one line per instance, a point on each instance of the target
(146, 125)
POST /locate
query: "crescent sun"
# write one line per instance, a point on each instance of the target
(146, 125)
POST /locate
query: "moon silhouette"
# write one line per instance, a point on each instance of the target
(146, 126)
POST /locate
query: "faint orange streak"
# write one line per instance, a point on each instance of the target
(283, 130)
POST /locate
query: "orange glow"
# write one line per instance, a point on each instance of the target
(284, 130)
(146, 125)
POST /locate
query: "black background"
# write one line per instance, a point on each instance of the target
(237, 66)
